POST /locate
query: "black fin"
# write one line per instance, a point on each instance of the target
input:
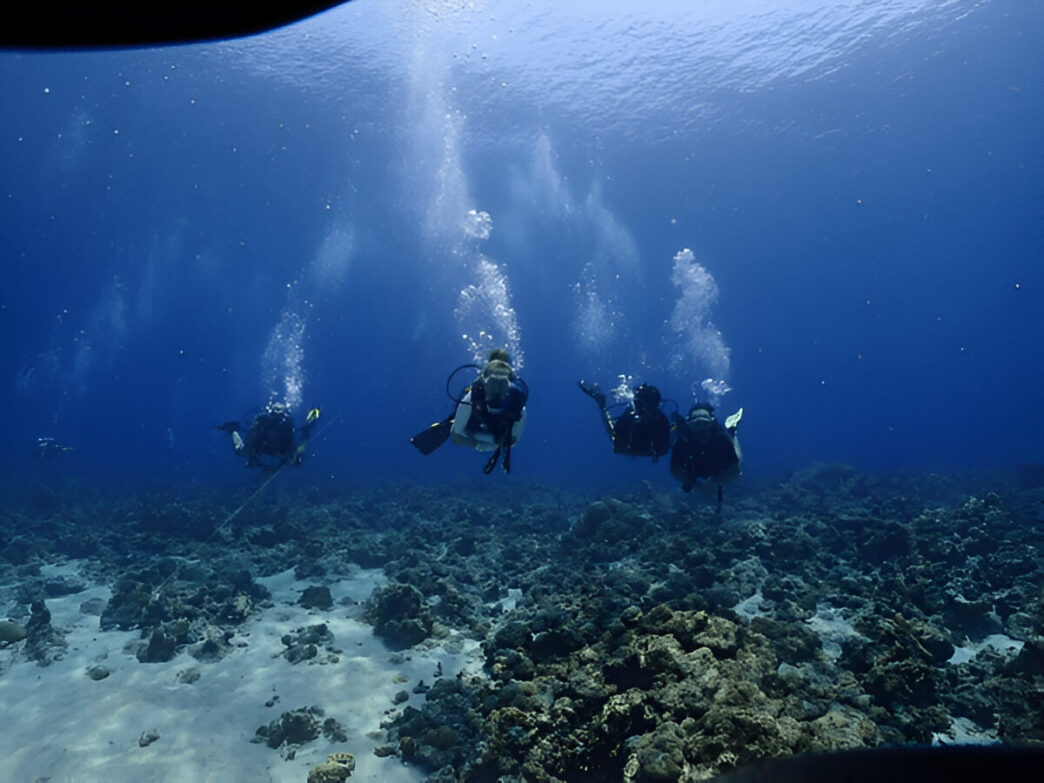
(433, 437)
(492, 463)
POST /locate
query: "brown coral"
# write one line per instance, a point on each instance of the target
(338, 767)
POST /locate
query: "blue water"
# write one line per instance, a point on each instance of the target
(188, 232)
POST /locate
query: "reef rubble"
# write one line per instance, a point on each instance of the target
(637, 636)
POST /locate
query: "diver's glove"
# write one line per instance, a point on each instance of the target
(592, 391)
(733, 421)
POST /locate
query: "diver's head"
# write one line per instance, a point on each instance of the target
(701, 411)
(701, 418)
(499, 355)
(646, 399)
(496, 379)
(276, 409)
(496, 384)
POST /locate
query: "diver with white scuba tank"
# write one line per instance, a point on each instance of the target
(488, 416)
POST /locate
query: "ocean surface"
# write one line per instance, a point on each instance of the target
(828, 214)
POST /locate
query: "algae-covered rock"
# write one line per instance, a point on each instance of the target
(338, 767)
(658, 755)
(159, 649)
(295, 727)
(11, 632)
(399, 615)
(316, 597)
(44, 642)
(304, 643)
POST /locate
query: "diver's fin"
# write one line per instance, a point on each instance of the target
(733, 421)
(433, 437)
(492, 462)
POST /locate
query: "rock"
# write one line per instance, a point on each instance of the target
(93, 606)
(659, 756)
(235, 610)
(316, 597)
(160, 648)
(56, 588)
(334, 731)
(295, 727)
(303, 644)
(301, 652)
(44, 643)
(337, 767)
(40, 617)
(441, 737)
(97, 672)
(974, 619)
(148, 737)
(399, 615)
(214, 645)
(11, 632)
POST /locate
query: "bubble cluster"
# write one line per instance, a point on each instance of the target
(595, 325)
(477, 224)
(485, 316)
(282, 363)
(624, 389)
(714, 389)
(696, 344)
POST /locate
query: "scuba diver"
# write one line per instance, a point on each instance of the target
(640, 431)
(706, 451)
(489, 415)
(271, 434)
(49, 448)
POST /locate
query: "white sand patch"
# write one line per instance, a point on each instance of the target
(750, 607)
(997, 642)
(965, 732)
(63, 726)
(508, 603)
(832, 629)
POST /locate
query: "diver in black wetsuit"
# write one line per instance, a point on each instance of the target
(271, 434)
(49, 448)
(642, 430)
(706, 452)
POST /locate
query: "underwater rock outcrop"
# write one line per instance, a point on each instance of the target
(338, 767)
(298, 727)
(399, 615)
(190, 607)
(636, 637)
(43, 642)
(11, 632)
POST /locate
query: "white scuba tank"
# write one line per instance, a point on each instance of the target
(480, 440)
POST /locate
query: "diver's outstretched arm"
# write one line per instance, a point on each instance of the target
(596, 394)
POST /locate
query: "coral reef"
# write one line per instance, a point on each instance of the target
(637, 637)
